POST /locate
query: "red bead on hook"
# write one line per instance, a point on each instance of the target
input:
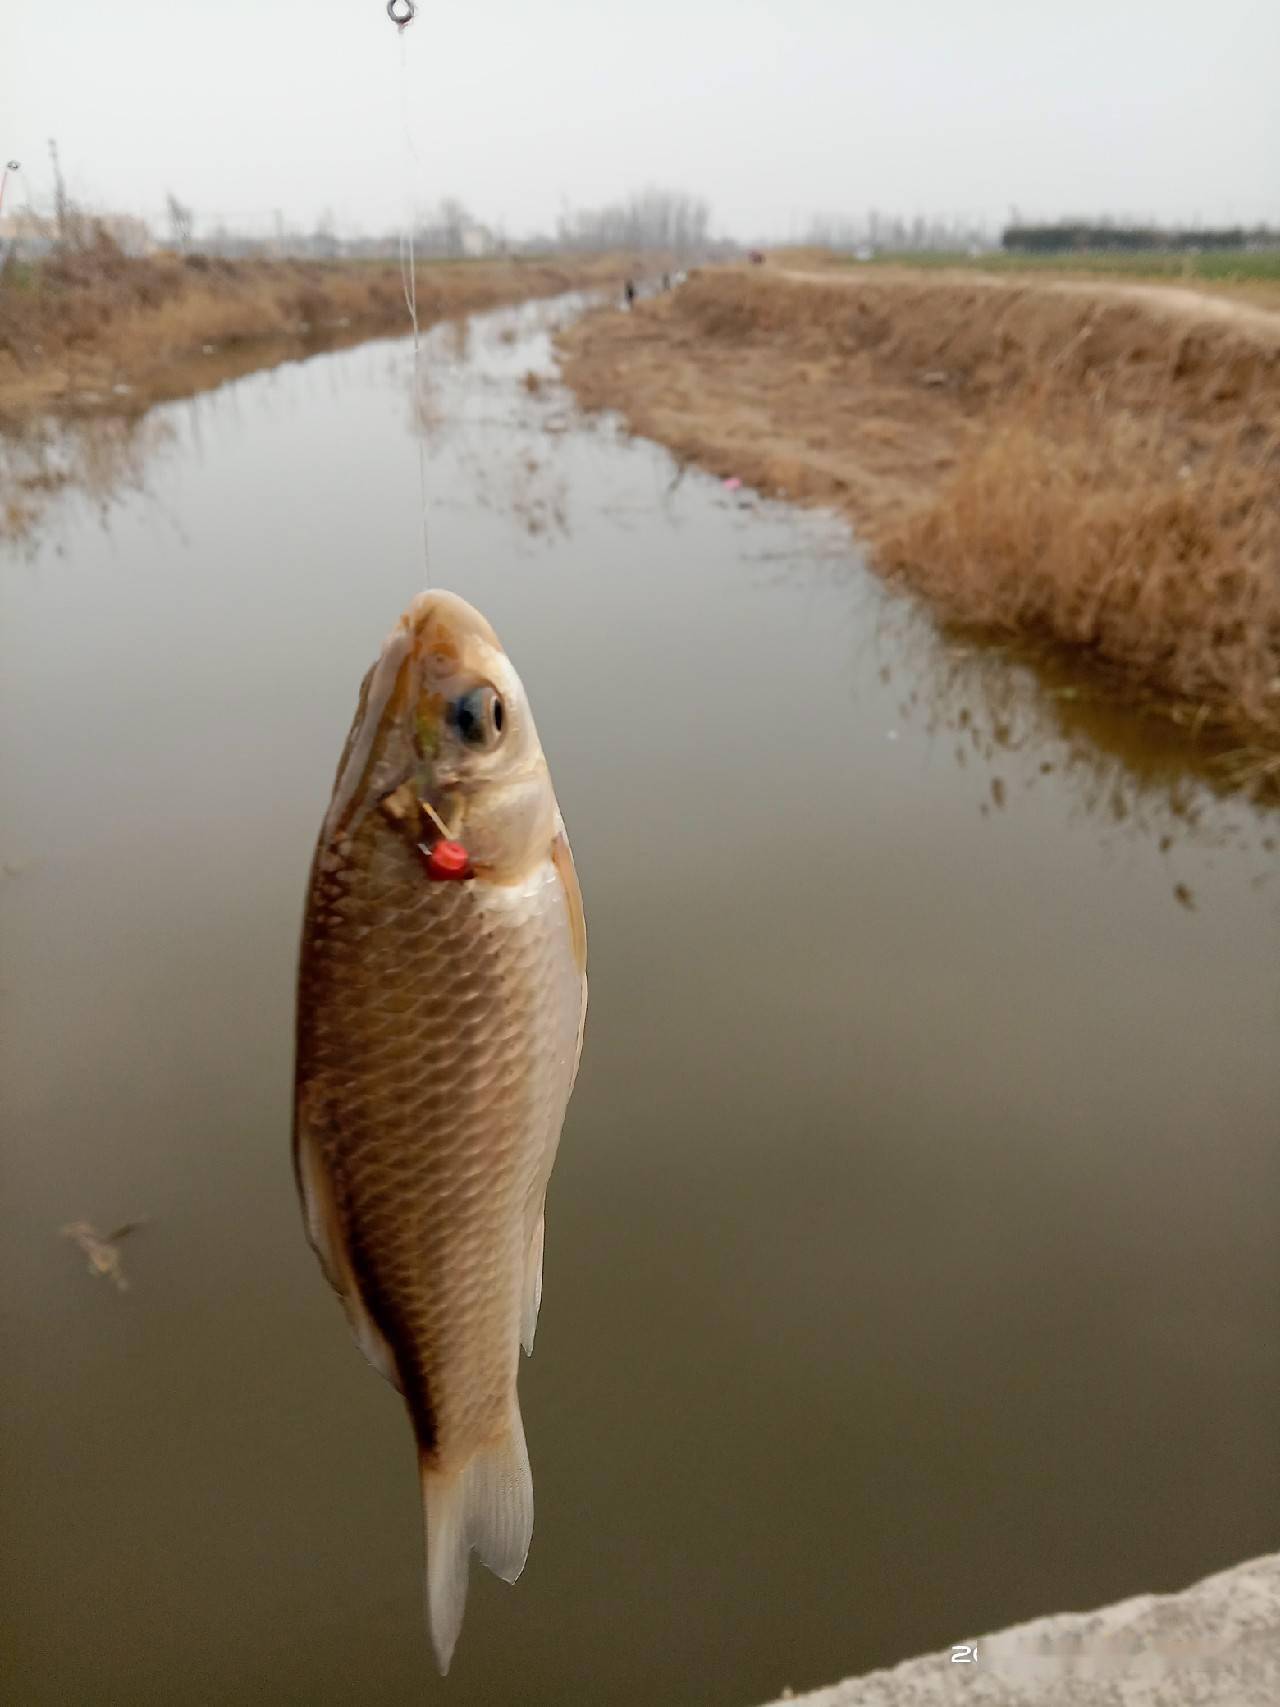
(446, 861)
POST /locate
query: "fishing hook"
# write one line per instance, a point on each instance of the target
(401, 12)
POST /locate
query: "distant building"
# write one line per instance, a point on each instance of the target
(31, 233)
(128, 232)
(36, 234)
(478, 242)
(322, 246)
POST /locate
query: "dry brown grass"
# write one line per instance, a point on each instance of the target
(1082, 527)
(1078, 469)
(75, 326)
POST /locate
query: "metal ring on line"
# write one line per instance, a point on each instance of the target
(401, 12)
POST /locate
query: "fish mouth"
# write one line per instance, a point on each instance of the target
(444, 628)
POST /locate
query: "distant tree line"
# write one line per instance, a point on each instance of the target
(647, 219)
(662, 220)
(1104, 234)
(875, 231)
(447, 231)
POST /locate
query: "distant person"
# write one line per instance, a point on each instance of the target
(629, 292)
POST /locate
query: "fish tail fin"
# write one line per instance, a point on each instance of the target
(488, 1506)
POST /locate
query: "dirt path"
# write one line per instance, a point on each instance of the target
(1176, 301)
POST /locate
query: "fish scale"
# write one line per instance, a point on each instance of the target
(380, 1117)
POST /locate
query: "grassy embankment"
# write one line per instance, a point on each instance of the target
(1246, 275)
(95, 328)
(1095, 471)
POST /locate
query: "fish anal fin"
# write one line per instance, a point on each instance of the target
(486, 1505)
(325, 1231)
(531, 1298)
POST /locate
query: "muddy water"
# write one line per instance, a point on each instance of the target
(912, 1260)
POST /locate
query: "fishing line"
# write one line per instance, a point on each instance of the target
(401, 13)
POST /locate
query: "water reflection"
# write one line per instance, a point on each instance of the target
(1020, 725)
(105, 451)
(1130, 771)
(92, 462)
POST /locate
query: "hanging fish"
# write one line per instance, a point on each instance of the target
(441, 999)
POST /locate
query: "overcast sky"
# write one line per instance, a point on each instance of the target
(771, 109)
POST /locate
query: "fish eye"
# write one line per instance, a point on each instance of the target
(479, 717)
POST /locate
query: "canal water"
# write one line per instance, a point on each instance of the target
(912, 1262)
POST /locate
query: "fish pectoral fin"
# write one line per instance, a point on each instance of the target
(562, 859)
(532, 1295)
(488, 1506)
(328, 1240)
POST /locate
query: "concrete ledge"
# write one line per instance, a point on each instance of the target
(1214, 1645)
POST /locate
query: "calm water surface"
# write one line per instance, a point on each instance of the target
(912, 1261)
